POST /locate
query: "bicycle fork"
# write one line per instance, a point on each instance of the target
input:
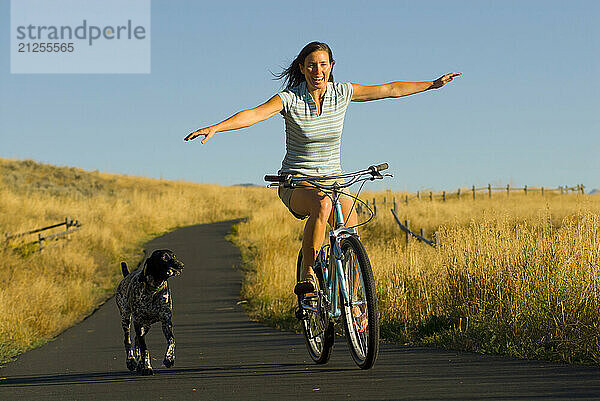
(338, 278)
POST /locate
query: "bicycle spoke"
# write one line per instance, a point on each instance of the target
(361, 328)
(317, 329)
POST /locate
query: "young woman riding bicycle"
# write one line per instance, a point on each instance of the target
(313, 107)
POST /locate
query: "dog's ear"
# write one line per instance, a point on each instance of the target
(154, 259)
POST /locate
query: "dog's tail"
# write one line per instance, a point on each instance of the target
(124, 269)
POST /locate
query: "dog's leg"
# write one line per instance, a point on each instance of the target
(126, 324)
(144, 367)
(131, 361)
(167, 327)
(136, 348)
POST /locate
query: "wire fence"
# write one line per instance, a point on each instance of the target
(461, 193)
(44, 238)
(474, 193)
(410, 234)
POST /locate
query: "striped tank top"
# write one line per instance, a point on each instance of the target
(312, 140)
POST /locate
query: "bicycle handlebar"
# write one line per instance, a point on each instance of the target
(289, 178)
(380, 167)
(274, 178)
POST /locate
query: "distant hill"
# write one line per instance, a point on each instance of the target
(28, 176)
(594, 191)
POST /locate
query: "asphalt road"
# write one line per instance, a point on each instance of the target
(223, 355)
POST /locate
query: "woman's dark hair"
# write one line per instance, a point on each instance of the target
(292, 76)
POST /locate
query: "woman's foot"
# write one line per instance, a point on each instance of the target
(360, 319)
(307, 283)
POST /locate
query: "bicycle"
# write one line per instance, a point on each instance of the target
(345, 282)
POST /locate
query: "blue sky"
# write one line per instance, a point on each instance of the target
(526, 110)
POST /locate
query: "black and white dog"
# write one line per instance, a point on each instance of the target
(144, 296)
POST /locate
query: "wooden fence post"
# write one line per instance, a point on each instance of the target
(444, 196)
(407, 235)
(525, 188)
(473, 192)
(418, 195)
(458, 193)
(406, 200)
(490, 191)
(431, 196)
(395, 206)
(542, 191)
(507, 190)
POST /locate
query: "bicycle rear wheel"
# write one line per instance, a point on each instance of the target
(361, 317)
(317, 329)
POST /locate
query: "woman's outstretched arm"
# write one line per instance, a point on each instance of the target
(362, 93)
(244, 118)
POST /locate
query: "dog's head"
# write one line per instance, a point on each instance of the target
(161, 265)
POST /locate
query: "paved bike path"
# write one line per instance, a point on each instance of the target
(223, 355)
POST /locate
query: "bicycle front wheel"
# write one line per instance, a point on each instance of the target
(361, 317)
(317, 329)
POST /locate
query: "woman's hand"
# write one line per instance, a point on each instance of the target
(244, 118)
(444, 79)
(208, 132)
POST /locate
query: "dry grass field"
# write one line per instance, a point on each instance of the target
(515, 276)
(42, 293)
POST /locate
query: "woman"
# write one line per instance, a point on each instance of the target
(313, 107)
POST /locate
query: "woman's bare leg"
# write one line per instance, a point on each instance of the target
(317, 206)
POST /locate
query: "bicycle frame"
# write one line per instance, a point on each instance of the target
(333, 282)
(347, 287)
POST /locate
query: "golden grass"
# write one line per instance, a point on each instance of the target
(515, 275)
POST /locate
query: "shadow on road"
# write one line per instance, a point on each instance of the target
(224, 372)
